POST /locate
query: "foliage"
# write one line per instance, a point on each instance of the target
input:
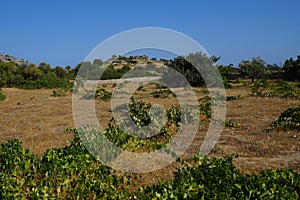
(205, 106)
(258, 89)
(141, 87)
(139, 112)
(226, 83)
(112, 73)
(218, 178)
(186, 114)
(287, 90)
(18, 169)
(100, 94)
(61, 92)
(226, 70)
(288, 120)
(254, 68)
(230, 123)
(282, 89)
(72, 173)
(32, 77)
(231, 98)
(2, 96)
(46, 81)
(190, 72)
(292, 69)
(103, 94)
(161, 93)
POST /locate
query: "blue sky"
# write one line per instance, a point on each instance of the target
(64, 32)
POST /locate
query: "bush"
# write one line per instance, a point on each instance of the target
(59, 93)
(218, 178)
(72, 173)
(102, 94)
(288, 120)
(47, 81)
(231, 98)
(230, 123)
(2, 96)
(161, 93)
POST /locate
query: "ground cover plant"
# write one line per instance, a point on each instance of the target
(288, 120)
(71, 172)
(2, 96)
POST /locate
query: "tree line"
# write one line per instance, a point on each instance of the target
(44, 76)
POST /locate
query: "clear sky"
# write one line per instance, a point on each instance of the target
(63, 32)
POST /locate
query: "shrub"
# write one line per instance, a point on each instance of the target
(230, 98)
(161, 93)
(287, 90)
(59, 93)
(230, 123)
(72, 172)
(103, 94)
(100, 94)
(47, 81)
(288, 120)
(2, 96)
(205, 106)
(218, 178)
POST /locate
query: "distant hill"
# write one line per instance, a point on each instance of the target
(19, 61)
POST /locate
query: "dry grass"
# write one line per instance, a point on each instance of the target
(39, 121)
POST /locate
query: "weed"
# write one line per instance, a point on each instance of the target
(61, 92)
(2, 96)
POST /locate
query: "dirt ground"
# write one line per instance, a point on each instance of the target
(39, 121)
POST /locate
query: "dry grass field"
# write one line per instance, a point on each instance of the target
(39, 121)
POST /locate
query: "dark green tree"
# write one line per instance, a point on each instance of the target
(8, 73)
(193, 67)
(254, 69)
(291, 68)
(45, 68)
(32, 73)
(60, 72)
(98, 62)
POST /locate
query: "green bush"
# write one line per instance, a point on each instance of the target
(72, 173)
(231, 98)
(2, 96)
(288, 120)
(230, 123)
(47, 81)
(161, 93)
(59, 92)
(285, 89)
(218, 178)
(205, 106)
(102, 94)
(280, 89)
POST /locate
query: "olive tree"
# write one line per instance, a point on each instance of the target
(254, 68)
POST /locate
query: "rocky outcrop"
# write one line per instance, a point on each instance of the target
(8, 58)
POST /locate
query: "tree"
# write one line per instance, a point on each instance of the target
(273, 67)
(215, 58)
(68, 69)
(193, 67)
(60, 72)
(254, 68)
(45, 68)
(98, 62)
(32, 73)
(291, 68)
(8, 72)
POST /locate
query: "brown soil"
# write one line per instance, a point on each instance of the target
(39, 121)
